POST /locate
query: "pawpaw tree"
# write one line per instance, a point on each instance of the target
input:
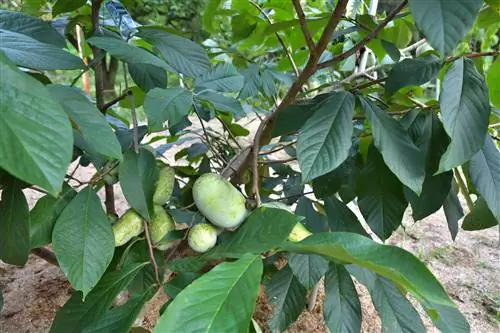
(383, 108)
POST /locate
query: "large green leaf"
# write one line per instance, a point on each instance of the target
(31, 26)
(79, 314)
(453, 210)
(324, 140)
(147, 76)
(465, 111)
(223, 77)
(484, 170)
(341, 218)
(14, 225)
(380, 196)
(341, 308)
(493, 80)
(400, 154)
(480, 217)
(412, 72)
(393, 263)
(89, 121)
(44, 216)
(27, 52)
(288, 298)
(83, 241)
(138, 174)
(179, 282)
(307, 268)
(222, 300)
(182, 54)
(36, 141)
(395, 311)
(223, 103)
(120, 319)
(445, 23)
(65, 6)
(128, 52)
(171, 104)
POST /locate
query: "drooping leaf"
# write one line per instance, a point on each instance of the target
(480, 217)
(391, 49)
(341, 218)
(412, 72)
(65, 6)
(83, 241)
(147, 76)
(208, 304)
(90, 122)
(331, 182)
(179, 282)
(171, 104)
(399, 152)
(380, 196)
(288, 297)
(223, 103)
(324, 140)
(14, 225)
(393, 263)
(79, 314)
(28, 117)
(27, 52)
(453, 210)
(445, 23)
(484, 170)
(307, 268)
(223, 77)
(313, 221)
(138, 174)
(127, 52)
(31, 26)
(493, 80)
(341, 308)
(182, 54)
(395, 311)
(465, 111)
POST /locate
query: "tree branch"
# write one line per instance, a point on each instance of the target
(303, 25)
(151, 253)
(114, 101)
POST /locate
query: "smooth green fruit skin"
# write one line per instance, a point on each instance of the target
(202, 237)
(164, 185)
(127, 227)
(299, 232)
(219, 201)
(161, 224)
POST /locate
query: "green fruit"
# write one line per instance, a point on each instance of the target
(202, 237)
(220, 202)
(163, 246)
(299, 232)
(127, 227)
(164, 185)
(161, 224)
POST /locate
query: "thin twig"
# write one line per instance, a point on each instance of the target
(474, 55)
(207, 137)
(46, 255)
(99, 74)
(151, 253)
(135, 125)
(38, 189)
(463, 188)
(278, 148)
(313, 297)
(114, 101)
(304, 26)
(231, 135)
(278, 161)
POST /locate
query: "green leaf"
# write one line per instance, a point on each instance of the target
(341, 307)
(36, 141)
(465, 111)
(484, 170)
(493, 80)
(182, 54)
(44, 215)
(480, 217)
(208, 304)
(392, 50)
(127, 52)
(307, 268)
(324, 140)
(14, 225)
(83, 241)
(393, 263)
(395, 311)
(27, 52)
(120, 319)
(400, 154)
(139, 96)
(223, 103)
(288, 298)
(79, 314)
(251, 82)
(32, 27)
(208, 15)
(412, 72)
(147, 76)
(179, 282)
(171, 104)
(341, 218)
(445, 23)
(138, 174)
(223, 77)
(89, 121)
(453, 210)
(314, 221)
(380, 196)
(65, 6)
